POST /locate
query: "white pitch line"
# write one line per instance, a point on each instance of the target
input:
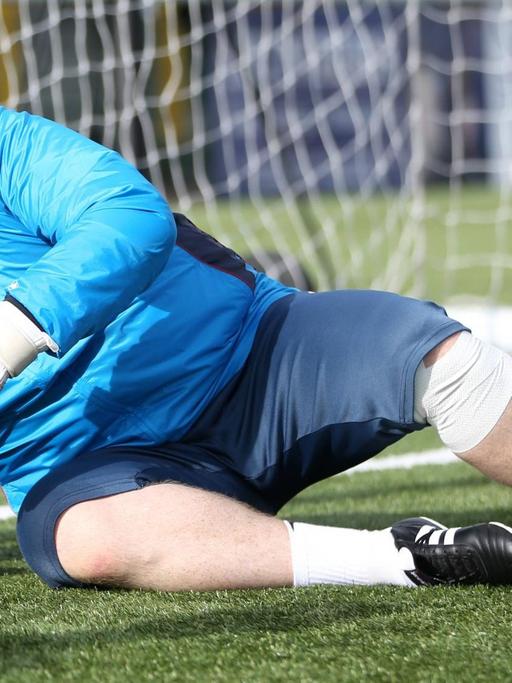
(440, 456)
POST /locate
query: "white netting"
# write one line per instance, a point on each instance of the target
(369, 140)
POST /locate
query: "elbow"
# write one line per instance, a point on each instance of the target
(145, 227)
(158, 238)
(154, 223)
(162, 230)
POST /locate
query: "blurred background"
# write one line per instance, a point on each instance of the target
(337, 144)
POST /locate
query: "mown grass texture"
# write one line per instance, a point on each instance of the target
(315, 634)
(324, 634)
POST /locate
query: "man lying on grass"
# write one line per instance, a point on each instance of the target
(162, 400)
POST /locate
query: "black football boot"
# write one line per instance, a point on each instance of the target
(481, 553)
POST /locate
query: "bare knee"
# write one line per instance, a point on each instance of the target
(82, 550)
(90, 541)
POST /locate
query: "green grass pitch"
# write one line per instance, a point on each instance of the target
(460, 246)
(323, 634)
(319, 634)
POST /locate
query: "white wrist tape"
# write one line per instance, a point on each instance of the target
(464, 393)
(20, 339)
(4, 376)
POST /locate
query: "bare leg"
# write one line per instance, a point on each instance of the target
(172, 537)
(493, 455)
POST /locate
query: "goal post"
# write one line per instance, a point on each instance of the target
(365, 143)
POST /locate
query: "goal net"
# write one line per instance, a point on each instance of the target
(361, 143)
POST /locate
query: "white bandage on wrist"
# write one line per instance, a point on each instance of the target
(20, 339)
(4, 376)
(464, 393)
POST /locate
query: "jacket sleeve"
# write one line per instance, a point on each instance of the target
(108, 230)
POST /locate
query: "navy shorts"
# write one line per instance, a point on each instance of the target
(329, 383)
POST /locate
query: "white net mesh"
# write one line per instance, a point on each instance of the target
(370, 141)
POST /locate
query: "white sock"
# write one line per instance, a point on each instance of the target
(324, 554)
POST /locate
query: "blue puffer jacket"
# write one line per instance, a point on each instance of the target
(152, 316)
